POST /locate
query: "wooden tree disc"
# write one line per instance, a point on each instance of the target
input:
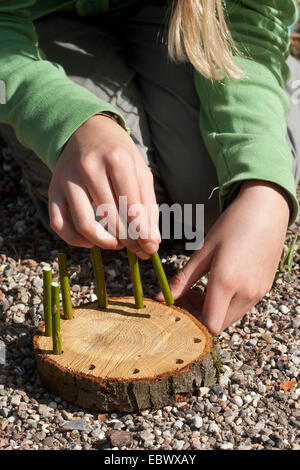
(127, 359)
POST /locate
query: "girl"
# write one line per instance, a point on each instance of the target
(201, 86)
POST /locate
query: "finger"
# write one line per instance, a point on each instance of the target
(125, 185)
(103, 197)
(137, 231)
(107, 208)
(216, 304)
(196, 267)
(237, 309)
(148, 198)
(84, 218)
(58, 213)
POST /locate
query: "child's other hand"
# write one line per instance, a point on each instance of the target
(99, 164)
(241, 252)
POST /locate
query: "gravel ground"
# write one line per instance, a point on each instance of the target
(246, 410)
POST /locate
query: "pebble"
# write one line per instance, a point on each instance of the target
(261, 388)
(98, 434)
(16, 400)
(257, 353)
(75, 424)
(213, 428)
(198, 422)
(167, 435)
(168, 409)
(224, 380)
(4, 411)
(229, 419)
(296, 322)
(52, 405)
(178, 424)
(146, 435)
(244, 447)
(235, 338)
(203, 391)
(178, 444)
(238, 378)
(196, 443)
(66, 415)
(226, 446)
(40, 436)
(247, 399)
(284, 309)
(267, 337)
(238, 401)
(259, 426)
(75, 447)
(48, 441)
(111, 272)
(269, 323)
(44, 410)
(93, 298)
(18, 318)
(38, 284)
(121, 439)
(217, 390)
(75, 288)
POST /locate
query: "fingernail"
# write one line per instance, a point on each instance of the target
(150, 248)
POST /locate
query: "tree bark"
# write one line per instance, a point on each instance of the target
(121, 359)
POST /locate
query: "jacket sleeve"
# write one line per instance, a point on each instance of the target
(243, 123)
(40, 102)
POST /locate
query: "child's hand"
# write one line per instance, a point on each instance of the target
(241, 252)
(100, 163)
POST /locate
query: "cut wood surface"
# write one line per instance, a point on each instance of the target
(125, 358)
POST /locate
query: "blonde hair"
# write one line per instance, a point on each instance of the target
(198, 33)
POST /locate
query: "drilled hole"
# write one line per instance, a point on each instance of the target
(179, 361)
(177, 319)
(197, 340)
(92, 366)
(136, 371)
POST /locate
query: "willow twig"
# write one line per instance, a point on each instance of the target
(56, 338)
(47, 279)
(136, 279)
(99, 277)
(65, 286)
(160, 273)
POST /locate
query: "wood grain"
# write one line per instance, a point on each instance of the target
(106, 353)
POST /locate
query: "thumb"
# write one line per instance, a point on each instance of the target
(196, 267)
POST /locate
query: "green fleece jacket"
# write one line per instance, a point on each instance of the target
(243, 123)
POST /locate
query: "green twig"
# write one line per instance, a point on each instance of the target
(56, 338)
(47, 279)
(291, 253)
(287, 259)
(136, 279)
(99, 276)
(65, 286)
(216, 359)
(160, 273)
